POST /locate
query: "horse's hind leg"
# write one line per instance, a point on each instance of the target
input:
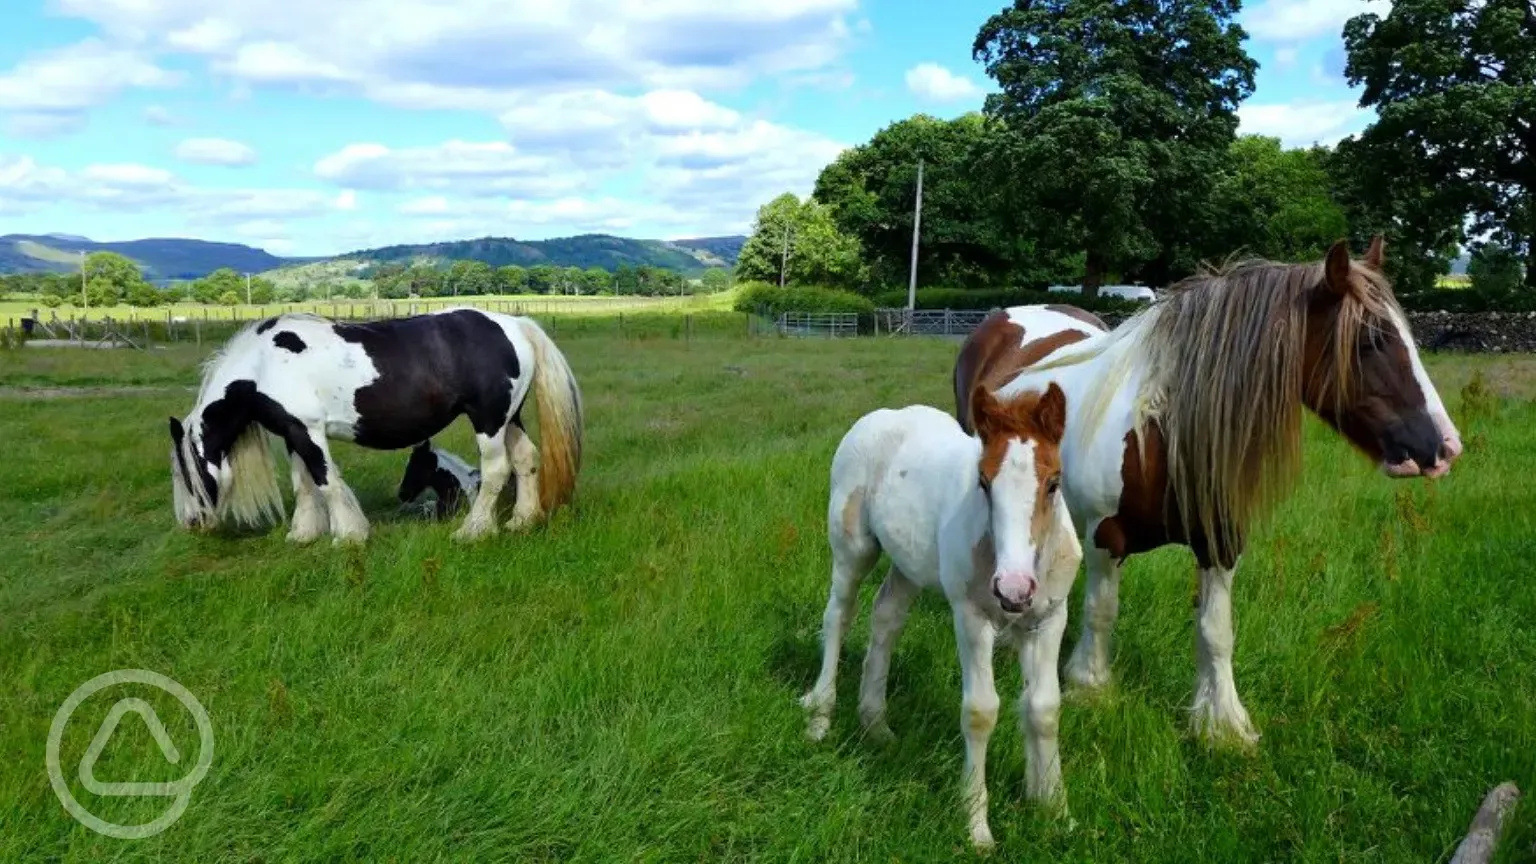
(495, 467)
(891, 607)
(525, 472)
(854, 552)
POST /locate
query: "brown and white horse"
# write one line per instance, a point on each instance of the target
(1184, 424)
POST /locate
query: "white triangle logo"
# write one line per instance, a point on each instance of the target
(104, 734)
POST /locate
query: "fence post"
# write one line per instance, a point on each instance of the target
(197, 330)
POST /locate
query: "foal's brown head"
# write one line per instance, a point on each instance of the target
(1020, 471)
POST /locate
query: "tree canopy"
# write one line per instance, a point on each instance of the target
(1455, 87)
(1117, 118)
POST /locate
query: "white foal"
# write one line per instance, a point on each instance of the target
(980, 518)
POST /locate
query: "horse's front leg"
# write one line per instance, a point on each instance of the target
(310, 519)
(974, 637)
(1040, 709)
(347, 523)
(495, 468)
(1089, 665)
(1218, 714)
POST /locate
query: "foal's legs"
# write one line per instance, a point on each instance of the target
(891, 606)
(495, 466)
(525, 471)
(1089, 664)
(1218, 713)
(975, 638)
(309, 515)
(854, 552)
(1040, 708)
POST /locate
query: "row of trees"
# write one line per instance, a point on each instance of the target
(468, 278)
(111, 279)
(1110, 153)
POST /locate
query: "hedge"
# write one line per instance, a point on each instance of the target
(760, 296)
(959, 298)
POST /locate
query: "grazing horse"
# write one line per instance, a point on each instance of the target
(385, 385)
(450, 478)
(1184, 425)
(980, 519)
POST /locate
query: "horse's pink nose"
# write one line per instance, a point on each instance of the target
(1013, 589)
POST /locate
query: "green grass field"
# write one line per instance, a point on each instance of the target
(16, 307)
(621, 684)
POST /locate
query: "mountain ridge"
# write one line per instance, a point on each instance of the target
(166, 259)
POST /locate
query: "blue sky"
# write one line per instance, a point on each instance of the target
(313, 128)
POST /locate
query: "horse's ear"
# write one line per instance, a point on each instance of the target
(1336, 269)
(176, 431)
(1375, 254)
(1051, 413)
(984, 408)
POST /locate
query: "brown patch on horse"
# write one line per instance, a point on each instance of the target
(1082, 315)
(853, 512)
(994, 354)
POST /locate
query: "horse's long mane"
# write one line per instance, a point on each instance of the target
(1223, 356)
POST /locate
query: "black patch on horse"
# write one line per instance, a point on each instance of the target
(431, 369)
(241, 405)
(266, 325)
(290, 341)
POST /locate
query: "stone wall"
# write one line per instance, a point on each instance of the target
(1473, 332)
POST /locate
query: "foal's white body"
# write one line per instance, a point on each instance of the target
(907, 482)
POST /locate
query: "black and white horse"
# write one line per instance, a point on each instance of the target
(385, 385)
(450, 478)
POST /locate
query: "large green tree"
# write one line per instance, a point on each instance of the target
(798, 242)
(1275, 203)
(1117, 117)
(1454, 84)
(871, 189)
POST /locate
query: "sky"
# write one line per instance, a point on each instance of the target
(315, 127)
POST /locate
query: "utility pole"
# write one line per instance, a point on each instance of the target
(247, 289)
(784, 258)
(85, 296)
(917, 221)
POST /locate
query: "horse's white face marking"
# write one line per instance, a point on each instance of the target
(1449, 435)
(1013, 492)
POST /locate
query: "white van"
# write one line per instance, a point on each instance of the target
(1140, 293)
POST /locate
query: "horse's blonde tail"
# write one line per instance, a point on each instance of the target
(253, 497)
(560, 419)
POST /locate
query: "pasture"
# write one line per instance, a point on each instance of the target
(622, 684)
(17, 306)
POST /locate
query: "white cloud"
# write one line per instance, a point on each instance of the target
(1299, 20)
(50, 92)
(421, 52)
(933, 83)
(216, 151)
(473, 168)
(129, 187)
(1303, 123)
(157, 115)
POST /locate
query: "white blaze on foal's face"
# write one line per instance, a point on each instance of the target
(1020, 471)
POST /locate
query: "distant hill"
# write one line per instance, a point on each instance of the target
(161, 259)
(168, 259)
(585, 250)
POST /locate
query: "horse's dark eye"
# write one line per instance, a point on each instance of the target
(1052, 485)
